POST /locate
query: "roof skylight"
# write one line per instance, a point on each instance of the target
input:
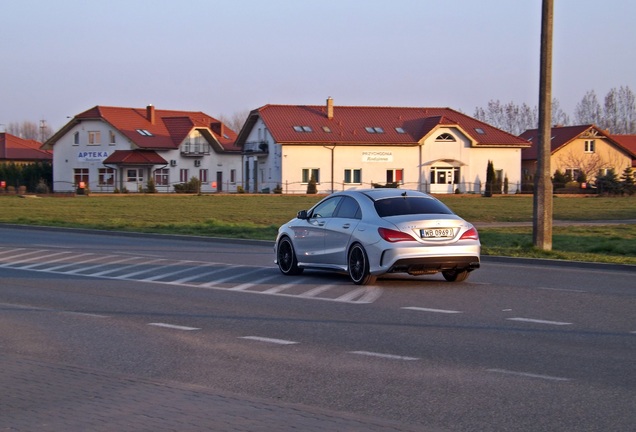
(144, 132)
(480, 131)
(303, 129)
(400, 130)
(326, 129)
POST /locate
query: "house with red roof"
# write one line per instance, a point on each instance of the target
(107, 148)
(437, 150)
(20, 151)
(582, 149)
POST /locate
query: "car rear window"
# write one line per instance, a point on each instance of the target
(409, 205)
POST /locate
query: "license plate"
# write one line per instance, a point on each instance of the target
(436, 233)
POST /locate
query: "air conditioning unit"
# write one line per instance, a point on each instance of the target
(197, 163)
(173, 162)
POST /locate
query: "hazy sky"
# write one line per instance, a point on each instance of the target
(61, 57)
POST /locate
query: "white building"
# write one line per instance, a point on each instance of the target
(436, 150)
(113, 148)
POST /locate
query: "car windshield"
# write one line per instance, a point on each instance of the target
(409, 205)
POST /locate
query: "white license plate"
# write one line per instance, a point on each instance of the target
(436, 233)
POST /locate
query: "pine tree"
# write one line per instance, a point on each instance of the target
(627, 181)
(490, 179)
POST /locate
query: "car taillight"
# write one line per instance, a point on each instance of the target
(471, 234)
(393, 235)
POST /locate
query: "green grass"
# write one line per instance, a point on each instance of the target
(259, 216)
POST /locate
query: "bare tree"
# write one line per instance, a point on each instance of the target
(589, 164)
(236, 120)
(589, 111)
(559, 117)
(30, 130)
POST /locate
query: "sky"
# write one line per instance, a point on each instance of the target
(225, 57)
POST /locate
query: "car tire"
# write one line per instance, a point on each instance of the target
(358, 266)
(286, 258)
(455, 275)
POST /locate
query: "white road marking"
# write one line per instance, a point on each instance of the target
(91, 315)
(269, 340)
(318, 290)
(528, 375)
(538, 321)
(164, 275)
(229, 278)
(172, 326)
(444, 311)
(351, 295)
(101, 264)
(198, 275)
(561, 289)
(65, 256)
(371, 295)
(69, 264)
(248, 285)
(385, 356)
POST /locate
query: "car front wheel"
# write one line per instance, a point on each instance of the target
(286, 258)
(455, 275)
(358, 266)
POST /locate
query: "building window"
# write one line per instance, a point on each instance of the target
(76, 138)
(94, 138)
(374, 129)
(135, 175)
(113, 139)
(162, 177)
(308, 173)
(183, 175)
(400, 130)
(395, 176)
(590, 146)
(106, 176)
(81, 177)
(353, 176)
(445, 137)
(573, 173)
(445, 175)
(233, 176)
(203, 175)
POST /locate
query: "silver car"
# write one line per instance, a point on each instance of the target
(371, 232)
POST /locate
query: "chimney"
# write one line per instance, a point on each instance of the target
(329, 108)
(150, 113)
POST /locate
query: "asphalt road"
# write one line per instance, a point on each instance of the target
(519, 346)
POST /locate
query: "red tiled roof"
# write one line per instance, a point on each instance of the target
(167, 131)
(560, 136)
(348, 125)
(18, 149)
(134, 157)
(627, 142)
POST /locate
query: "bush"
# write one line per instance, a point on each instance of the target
(151, 188)
(311, 186)
(42, 187)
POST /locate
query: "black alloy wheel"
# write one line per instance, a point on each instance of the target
(358, 266)
(286, 258)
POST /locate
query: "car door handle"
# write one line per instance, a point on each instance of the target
(346, 226)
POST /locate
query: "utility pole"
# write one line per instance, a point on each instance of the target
(542, 198)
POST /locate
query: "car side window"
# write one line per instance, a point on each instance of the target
(349, 209)
(326, 208)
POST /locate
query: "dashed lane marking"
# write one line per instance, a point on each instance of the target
(442, 311)
(528, 375)
(269, 340)
(539, 321)
(173, 326)
(385, 356)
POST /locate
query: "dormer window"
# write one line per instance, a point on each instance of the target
(445, 137)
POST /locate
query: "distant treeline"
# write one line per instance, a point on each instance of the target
(36, 177)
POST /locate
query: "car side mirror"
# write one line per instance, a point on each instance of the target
(302, 214)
